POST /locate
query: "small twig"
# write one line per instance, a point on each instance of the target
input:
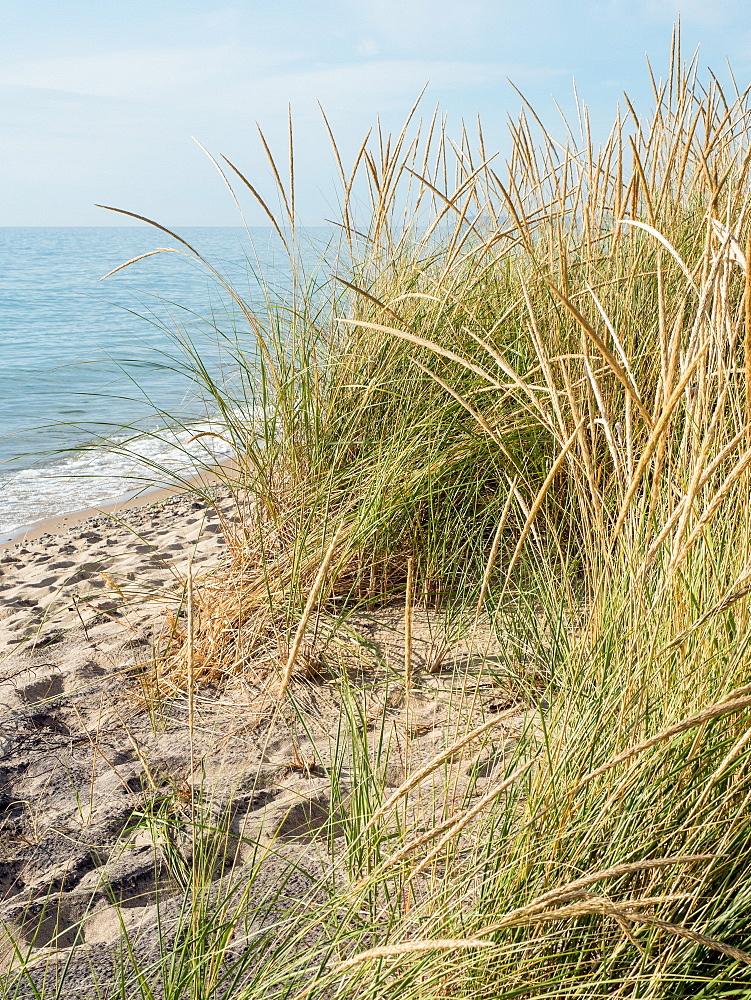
(80, 617)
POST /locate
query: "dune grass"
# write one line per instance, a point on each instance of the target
(527, 392)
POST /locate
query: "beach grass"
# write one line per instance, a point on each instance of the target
(522, 399)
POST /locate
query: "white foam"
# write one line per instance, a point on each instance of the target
(105, 474)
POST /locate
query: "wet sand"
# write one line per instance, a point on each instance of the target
(114, 508)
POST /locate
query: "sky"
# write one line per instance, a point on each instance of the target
(100, 101)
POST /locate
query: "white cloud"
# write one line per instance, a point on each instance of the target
(130, 74)
(241, 79)
(421, 25)
(368, 48)
(373, 85)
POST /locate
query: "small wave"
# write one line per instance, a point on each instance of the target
(103, 475)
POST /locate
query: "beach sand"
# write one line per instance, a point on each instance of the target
(85, 755)
(63, 572)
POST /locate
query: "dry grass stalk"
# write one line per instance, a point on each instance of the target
(408, 628)
(315, 592)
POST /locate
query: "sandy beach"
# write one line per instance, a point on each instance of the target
(84, 756)
(63, 573)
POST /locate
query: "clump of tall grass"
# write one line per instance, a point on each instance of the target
(555, 357)
(532, 387)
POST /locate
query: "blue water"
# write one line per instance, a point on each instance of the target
(82, 357)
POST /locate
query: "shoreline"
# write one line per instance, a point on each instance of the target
(59, 524)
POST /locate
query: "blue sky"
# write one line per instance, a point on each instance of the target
(99, 100)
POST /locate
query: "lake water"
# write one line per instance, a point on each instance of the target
(81, 356)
